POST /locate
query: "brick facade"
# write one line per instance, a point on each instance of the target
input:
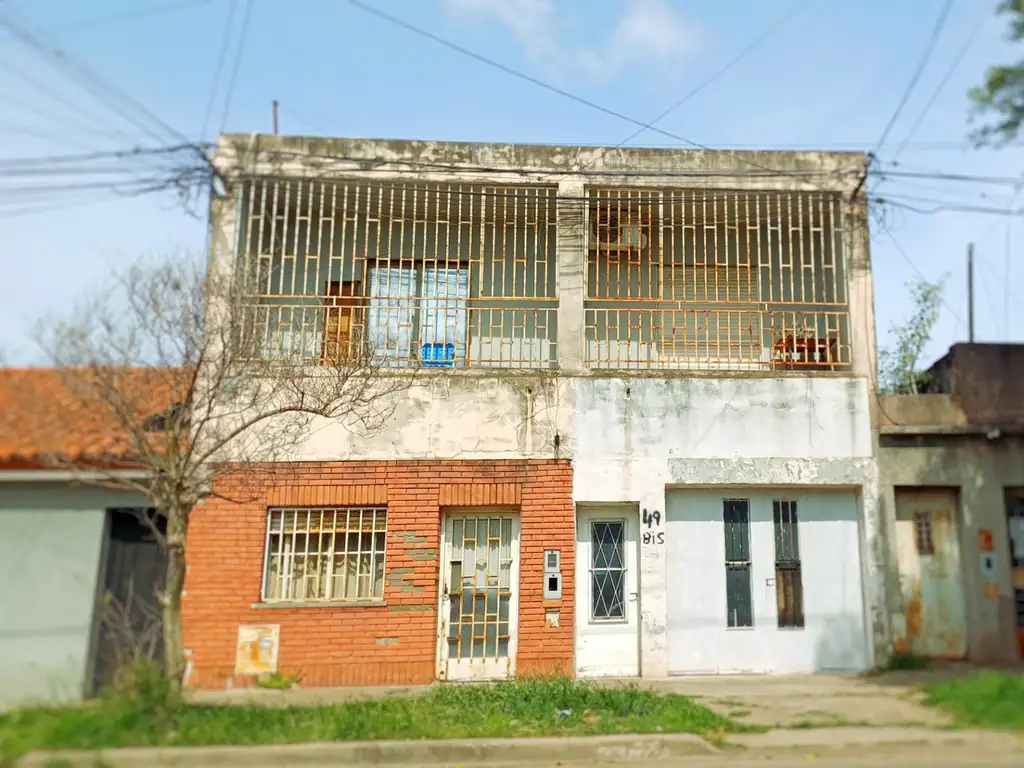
(388, 642)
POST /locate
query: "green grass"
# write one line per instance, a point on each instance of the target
(988, 700)
(278, 681)
(907, 662)
(519, 708)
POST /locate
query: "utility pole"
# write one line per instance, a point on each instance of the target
(275, 117)
(970, 292)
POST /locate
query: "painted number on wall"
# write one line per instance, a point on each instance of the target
(652, 519)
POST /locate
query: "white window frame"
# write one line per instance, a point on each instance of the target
(342, 525)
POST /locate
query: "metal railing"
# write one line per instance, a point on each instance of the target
(715, 279)
(408, 273)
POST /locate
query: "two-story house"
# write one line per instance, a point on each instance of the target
(644, 446)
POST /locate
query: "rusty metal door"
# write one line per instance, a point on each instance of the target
(931, 579)
(479, 596)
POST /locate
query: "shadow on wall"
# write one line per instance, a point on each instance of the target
(840, 646)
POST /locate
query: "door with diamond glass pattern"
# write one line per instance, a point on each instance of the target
(479, 596)
(607, 623)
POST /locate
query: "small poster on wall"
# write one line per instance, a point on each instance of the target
(256, 652)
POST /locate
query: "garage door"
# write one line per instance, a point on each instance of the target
(50, 559)
(764, 582)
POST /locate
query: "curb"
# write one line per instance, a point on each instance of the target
(589, 749)
(872, 738)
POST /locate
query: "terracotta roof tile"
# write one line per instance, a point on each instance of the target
(55, 412)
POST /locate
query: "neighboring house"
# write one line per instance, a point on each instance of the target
(66, 541)
(647, 449)
(952, 468)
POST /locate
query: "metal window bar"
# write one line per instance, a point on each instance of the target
(923, 538)
(480, 588)
(405, 273)
(789, 594)
(325, 554)
(607, 571)
(734, 279)
(736, 520)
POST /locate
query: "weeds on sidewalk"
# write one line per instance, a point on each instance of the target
(987, 700)
(145, 712)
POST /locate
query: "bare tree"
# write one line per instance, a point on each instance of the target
(167, 371)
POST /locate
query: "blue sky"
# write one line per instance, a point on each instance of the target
(829, 78)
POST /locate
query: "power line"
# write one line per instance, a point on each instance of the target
(73, 127)
(944, 81)
(238, 60)
(221, 58)
(1006, 279)
(111, 155)
(91, 81)
(302, 119)
(1012, 181)
(59, 99)
(991, 303)
(725, 68)
(910, 261)
(530, 78)
(126, 15)
(939, 24)
(941, 205)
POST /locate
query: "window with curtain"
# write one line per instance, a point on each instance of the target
(419, 314)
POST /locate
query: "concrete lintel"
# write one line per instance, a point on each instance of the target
(851, 472)
(261, 153)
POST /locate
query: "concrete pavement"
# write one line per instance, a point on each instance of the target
(811, 701)
(788, 701)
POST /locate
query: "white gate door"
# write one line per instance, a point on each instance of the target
(607, 620)
(479, 596)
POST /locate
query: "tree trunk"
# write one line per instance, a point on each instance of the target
(174, 643)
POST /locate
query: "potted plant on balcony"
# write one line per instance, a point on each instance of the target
(801, 348)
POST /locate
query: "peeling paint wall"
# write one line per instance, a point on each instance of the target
(980, 469)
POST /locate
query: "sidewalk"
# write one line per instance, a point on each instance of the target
(765, 700)
(922, 746)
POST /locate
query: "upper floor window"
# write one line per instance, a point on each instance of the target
(679, 278)
(405, 273)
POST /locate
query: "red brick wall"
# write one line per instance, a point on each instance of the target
(355, 645)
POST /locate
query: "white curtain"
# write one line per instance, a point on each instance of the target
(443, 312)
(389, 324)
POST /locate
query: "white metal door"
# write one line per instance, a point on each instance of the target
(739, 559)
(479, 596)
(607, 611)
